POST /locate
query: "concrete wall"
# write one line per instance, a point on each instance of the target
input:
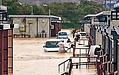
(86, 28)
(92, 20)
(114, 22)
(98, 38)
(96, 23)
(30, 28)
(0, 18)
(43, 24)
(17, 21)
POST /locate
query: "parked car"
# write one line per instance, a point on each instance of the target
(62, 35)
(93, 52)
(82, 34)
(51, 45)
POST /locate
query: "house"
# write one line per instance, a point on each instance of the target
(37, 25)
(90, 22)
(106, 34)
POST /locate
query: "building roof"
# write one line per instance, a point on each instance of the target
(90, 15)
(35, 16)
(104, 13)
(116, 5)
(3, 8)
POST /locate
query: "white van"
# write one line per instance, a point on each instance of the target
(93, 52)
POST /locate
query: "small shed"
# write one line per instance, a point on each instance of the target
(37, 25)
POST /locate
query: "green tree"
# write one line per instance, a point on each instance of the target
(69, 12)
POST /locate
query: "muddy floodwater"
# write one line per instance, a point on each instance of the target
(30, 58)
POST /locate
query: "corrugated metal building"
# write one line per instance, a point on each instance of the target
(37, 25)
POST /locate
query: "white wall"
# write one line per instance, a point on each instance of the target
(43, 25)
(31, 28)
(86, 28)
(17, 21)
(98, 38)
(0, 18)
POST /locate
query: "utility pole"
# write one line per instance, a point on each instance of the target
(0, 2)
(25, 7)
(49, 12)
(32, 10)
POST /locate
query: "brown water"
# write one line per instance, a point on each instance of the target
(30, 58)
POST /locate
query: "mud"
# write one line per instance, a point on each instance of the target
(30, 58)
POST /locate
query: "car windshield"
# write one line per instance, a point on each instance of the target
(52, 44)
(83, 34)
(62, 33)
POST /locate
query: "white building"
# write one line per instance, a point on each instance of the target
(36, 25)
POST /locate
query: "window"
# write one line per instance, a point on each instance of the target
(3, 16)
(114, 15)
(51, 44)
(62, 33)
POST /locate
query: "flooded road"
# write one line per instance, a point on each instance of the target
(30, 58)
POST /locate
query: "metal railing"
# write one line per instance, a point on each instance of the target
(67, 71)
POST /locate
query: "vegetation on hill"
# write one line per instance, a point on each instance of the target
(72, 13)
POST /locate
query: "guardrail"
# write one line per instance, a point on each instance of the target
(87, 63)
(68, 69)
